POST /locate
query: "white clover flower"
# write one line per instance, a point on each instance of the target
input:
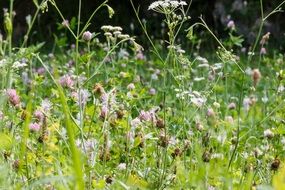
(46, 105)
(122, 166)
(268, 133)
(246, 103)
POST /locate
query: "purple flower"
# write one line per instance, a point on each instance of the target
(39, 115)
(87, 36)
(231, 25)
(14, 99)
(35, 127)
(263, 51)
(66, 81)
(152, 91)
(145, 116)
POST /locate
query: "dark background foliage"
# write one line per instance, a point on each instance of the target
(216, 13)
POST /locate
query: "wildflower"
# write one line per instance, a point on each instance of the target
(268, 134)
(247, 103)
(41, 71)
(162, 6)
(14, 99)
(152, 91)
(131, 86)
(210, 112)
(81, 97)
(39, 115)
(256, 75)
(135, 122)
(145, 116)
(229, 119)
(65, 23)
(122, 166)
(66, 81)
(140, 55)
(257, 152)
(104, 112)
(232, 106)
(90, 144)
(1, 115)
(46, 105)
(263, 51)
(87, 36)
(265, 38)
(35, 127)
(51, 55)
(98, 89)
(160, 123)
(231, 25)
(199, 126)
(123, 74)
(197, 101)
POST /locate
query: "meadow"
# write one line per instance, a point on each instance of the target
(100, 111)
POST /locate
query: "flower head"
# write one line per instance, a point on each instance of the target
(35, 127)
(14, 99)
(87, 36)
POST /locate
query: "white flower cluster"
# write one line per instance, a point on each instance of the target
(195, 97)
(167, 4)
(114, 30)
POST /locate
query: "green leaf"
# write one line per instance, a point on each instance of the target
(5, 142)
(137, 182)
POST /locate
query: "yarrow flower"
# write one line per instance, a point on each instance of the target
(166, 6)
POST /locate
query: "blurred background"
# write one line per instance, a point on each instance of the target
(217, 13)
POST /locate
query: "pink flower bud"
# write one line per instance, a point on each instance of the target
(87, 36)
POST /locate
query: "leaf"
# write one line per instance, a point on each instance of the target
(5, 142)
(135, 181)
(98, 184)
